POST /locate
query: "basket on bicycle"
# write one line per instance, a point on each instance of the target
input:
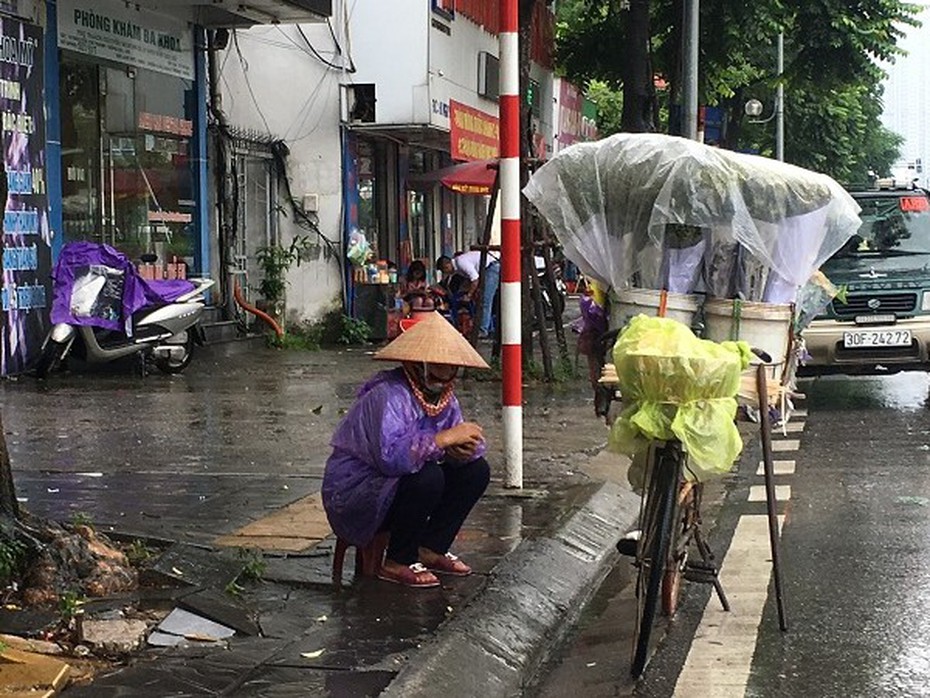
(678, 387)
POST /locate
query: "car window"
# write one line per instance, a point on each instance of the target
(891, 225)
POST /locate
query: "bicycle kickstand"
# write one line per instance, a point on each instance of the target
(710, 568)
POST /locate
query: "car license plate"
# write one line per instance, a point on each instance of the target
(860, 339)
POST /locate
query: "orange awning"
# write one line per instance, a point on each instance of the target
(475, 177)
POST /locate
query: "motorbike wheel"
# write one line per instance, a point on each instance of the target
(50, 357)
(170, 365)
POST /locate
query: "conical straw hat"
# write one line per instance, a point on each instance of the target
(435, 341)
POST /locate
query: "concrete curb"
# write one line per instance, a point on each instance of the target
(497, 643)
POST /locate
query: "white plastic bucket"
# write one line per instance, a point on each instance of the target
(765, 326)
(625, 305)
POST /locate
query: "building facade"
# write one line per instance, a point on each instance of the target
(367, 106)
(105, 137)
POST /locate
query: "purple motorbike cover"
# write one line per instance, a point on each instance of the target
(97, 285)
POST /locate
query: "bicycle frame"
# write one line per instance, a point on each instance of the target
(670, 521)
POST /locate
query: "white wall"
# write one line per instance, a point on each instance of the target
(277, 87)
(390, 45)
(453, 68)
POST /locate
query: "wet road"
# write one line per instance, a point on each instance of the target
(855, 493)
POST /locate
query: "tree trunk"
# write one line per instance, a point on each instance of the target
(638, 88)
(526, 141)
(9, 507)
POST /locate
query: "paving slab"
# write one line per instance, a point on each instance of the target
(114, 635)
(194, 627)
(22, 673)
(195, 566)
(220, 607)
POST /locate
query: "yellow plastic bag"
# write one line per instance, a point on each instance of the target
(678, 387)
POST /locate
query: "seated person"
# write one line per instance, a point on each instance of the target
(414, 290)
(454, 291)
(405, 461)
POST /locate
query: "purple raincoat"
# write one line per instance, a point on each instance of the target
(97, 285)
(385, 436)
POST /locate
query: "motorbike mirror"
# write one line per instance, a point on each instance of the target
(149, 258)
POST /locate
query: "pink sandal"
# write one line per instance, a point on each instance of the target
(415, 576)
(450, 564)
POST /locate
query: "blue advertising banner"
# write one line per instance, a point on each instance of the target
(26, 232)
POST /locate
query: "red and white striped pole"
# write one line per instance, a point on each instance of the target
(512, 361)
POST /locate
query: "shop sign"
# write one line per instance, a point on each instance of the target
(475, 135)
(577, 116)
(120, 32)
(27, 255)
(163, 123)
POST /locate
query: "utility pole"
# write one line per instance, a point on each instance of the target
(511, 275)
(780, 102)
(691, 34)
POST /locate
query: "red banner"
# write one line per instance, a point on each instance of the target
(475, 135)
(486, 13)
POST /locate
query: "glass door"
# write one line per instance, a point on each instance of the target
(81, 153)
(127, 175)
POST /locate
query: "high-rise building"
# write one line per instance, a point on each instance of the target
(907, 99)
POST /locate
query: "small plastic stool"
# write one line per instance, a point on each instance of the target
(368, 558)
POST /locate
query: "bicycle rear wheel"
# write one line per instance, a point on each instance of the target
(661, 505)
(684, 522)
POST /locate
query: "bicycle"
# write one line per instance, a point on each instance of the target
(670, 519)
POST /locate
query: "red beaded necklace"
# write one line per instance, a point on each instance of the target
(430, 408)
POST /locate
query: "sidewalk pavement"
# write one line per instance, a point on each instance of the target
(231, 453)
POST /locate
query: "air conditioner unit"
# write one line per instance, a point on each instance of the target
(488, 75)
(359, 104)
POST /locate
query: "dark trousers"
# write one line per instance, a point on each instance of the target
(430, 507)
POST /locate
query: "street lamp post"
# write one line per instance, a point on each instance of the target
(753, 107)
(692, 18)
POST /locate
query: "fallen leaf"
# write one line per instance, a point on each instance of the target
(312, 655)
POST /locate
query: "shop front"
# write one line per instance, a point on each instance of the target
(402, 212)
(130, 131)
(104, 140)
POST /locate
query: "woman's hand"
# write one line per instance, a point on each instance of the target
(462, 453)
(464, 436)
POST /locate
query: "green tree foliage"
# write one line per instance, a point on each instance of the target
(832, 78)
(609, 103)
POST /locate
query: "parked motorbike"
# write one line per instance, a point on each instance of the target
(102, 310)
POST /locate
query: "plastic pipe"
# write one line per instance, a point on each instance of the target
(237, 294)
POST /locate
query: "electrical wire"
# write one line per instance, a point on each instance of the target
(307, 134)
(301, 218)
(325, 61)
(332, 32)
(245, 74)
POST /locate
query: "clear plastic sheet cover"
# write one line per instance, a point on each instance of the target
(613, 202)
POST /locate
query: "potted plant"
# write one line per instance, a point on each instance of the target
(275, 261)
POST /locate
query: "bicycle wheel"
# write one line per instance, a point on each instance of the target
(684, 522)
(661, 500)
